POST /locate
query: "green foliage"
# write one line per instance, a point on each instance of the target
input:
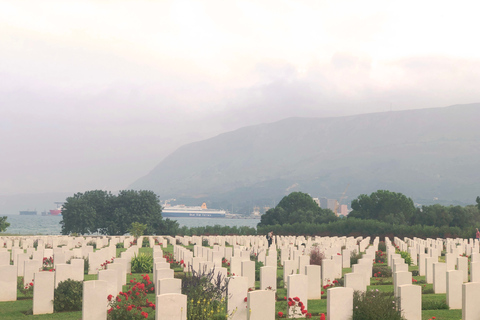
(354, 257)
(68, 296)
(143, 263)
(119, 245)
(375, 305)
(4, 224)
(100, 211)
(258, 265)
(297, 207)
(406, 256)
(381, 271)
(26, 290)
(367, 228)
(137, 229)
(452, 216)
(133, 303)
(434, 304)
(145, 243)
(383, 205)
(216, 230)
(205, 292)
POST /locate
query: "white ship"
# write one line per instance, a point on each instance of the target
(191, 212)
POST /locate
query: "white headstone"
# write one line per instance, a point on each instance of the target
(171, 306)
(339, 303)
(43, 289)
(94, 306)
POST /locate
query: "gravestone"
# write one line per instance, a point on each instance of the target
(454, 289)
(470, 305)
(356, 281)
(171, 306)
(297, 286)
(314, 274)
(8, 283)
(339, 303)
(248, 270)
(439, 278)
(43, 290)
(410, 301)
(237, 292)
(166, 286)
(268, 278)
(261, 305)
(94, 306)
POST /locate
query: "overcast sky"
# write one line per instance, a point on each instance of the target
(93, 94)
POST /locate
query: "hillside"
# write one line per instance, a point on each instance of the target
(425, 154)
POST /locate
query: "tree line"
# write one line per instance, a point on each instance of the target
(102, 212)
(383, 206)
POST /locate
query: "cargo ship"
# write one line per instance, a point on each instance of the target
(28, 213)
(54, 212)
(181, 211)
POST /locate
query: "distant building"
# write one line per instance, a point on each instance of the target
(323, 203)
(344, 210)
(317, 201)
(332, 204)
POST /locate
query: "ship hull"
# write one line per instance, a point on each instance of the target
(192, 215)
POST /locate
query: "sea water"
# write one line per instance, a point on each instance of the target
(51, 224)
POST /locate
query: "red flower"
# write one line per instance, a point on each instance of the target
(129, 308)
(109, 297)
(280, 314)
(144, 314)
(296, 299)
(322, 316)
(291, 303)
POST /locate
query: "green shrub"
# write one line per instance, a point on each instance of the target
(354, 257)
(205, 294)
(26, 290)
(406, 256)
(68, 296)
(143, 263)
(381, 272)
(93, 244)
(258, 265)
(375, 305)
(434, 304)
(119, 245)
(382, 246)
(145, 243)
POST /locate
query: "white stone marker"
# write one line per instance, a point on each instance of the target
(268, 278)
(356, 281)
(462, 264)
(248, 270)
(314, 274)
(94, 305)
(4, 258)
(328, 271)
(470, 305)
(171, 306)
(237, 292)
(43, 290)
(475, 271)
(339, 303)
(166, 286)
(111, 277)
(261, 305)
(399, 279)
(8, 283)
(439, 277)
(454, 289)
(411, 301)
(297, 286)
(77, 269)
(63, 272)
(429, 269)
(421, 264)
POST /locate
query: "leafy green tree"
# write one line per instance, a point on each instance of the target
(4, 224)
(137, 229)
(100, 211)
(478, 203)
(383, 205)
(296, 207)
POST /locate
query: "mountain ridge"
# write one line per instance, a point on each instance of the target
(423, 153)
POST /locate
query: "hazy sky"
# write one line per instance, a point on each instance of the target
(94, 94)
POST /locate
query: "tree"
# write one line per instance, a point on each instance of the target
(137, 229)
(100, 211)
(383, 205)
(296, 207)
(478, 203)
(4, 224)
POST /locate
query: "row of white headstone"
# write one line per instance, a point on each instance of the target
(301, 279)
